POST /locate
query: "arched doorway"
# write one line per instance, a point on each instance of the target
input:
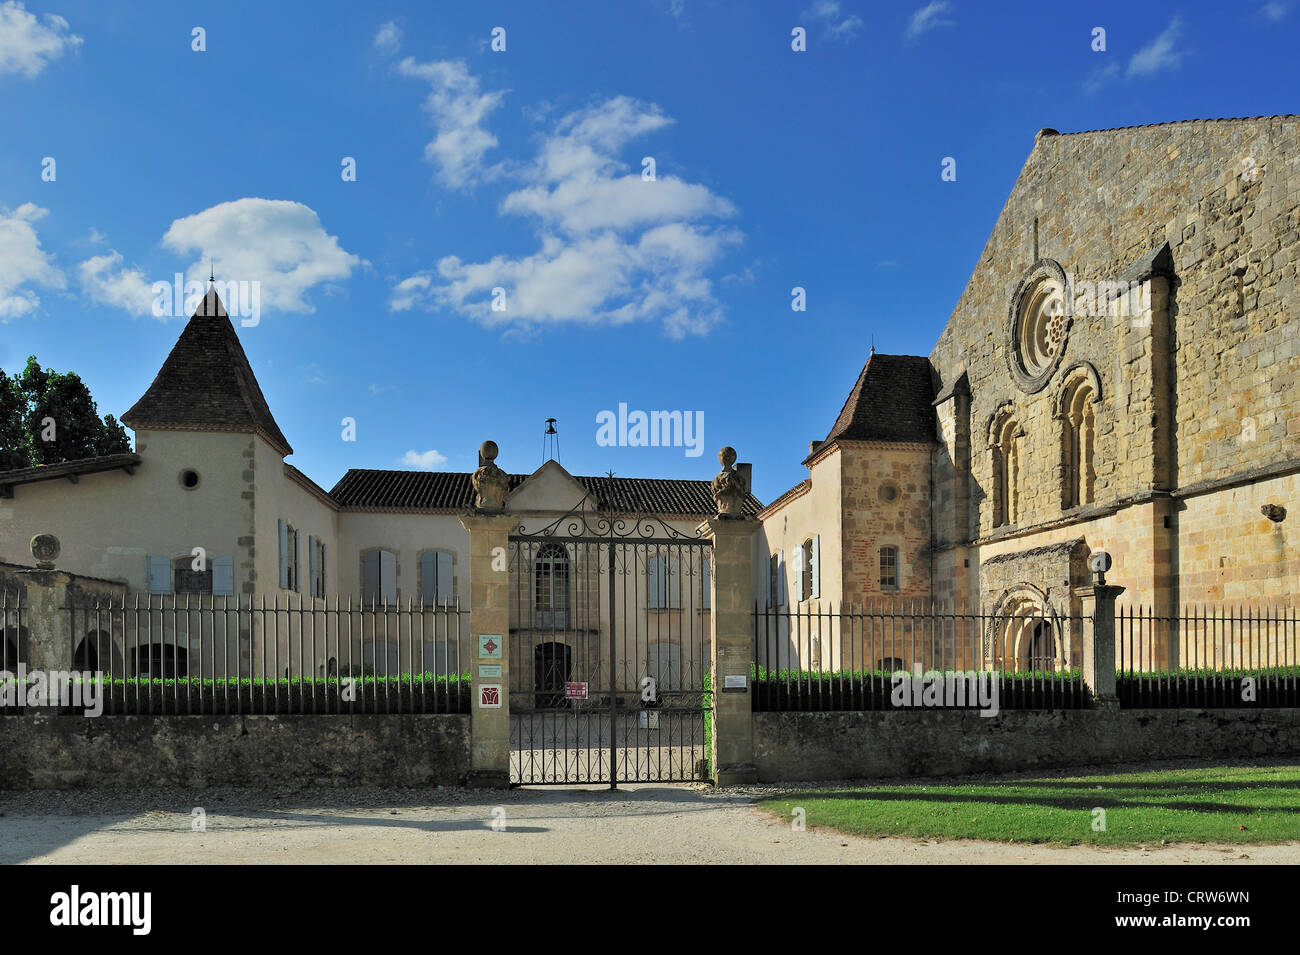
(552, 668)
(86, 657)
(1042, 648)
(160, 661)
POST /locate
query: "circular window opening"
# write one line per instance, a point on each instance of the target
(888, 493)
(189, 479)
(1040, 326)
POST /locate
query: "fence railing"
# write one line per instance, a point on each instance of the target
(826, 659)
(1207, 657)
(199, 654)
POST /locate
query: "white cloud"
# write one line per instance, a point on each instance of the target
(424, 460)
(928, 17)
(1099, 77)
(1275, 11)
(28, 45)
(388, 38)
(458, 109)
(838, 26)
(613, 248)
(1159, 54)
(103, 278)
(279, 243)
(23, 262)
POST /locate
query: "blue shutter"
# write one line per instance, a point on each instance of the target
(159, 574)
(223, 576)
(284, 555)
(429, 578)
(674, 582)
(654, 587)
(370, 576)
(388, 577)
(446, 578)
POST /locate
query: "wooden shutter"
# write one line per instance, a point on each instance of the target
(429, 577)
(370, 576)
(223, 576)
(798, 573)
(160, 574)
(817, 565)
(674, 582)
(322, 569)
(780, 580)
(284, 555)
(311, 566)
(446, 578)
(388, 577)
(654, 585)
(767, 581)
(297, 561)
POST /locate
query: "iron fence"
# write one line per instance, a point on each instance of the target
(1206, 656)
(814, 658)
(191, 654)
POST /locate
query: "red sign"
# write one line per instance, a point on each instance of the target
(491, 696)
(575, 691)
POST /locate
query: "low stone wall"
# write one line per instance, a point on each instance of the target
(72, 752)
(790, 747)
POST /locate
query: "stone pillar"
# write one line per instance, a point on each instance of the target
(488, 653)
(1098, 610)
(733, 720)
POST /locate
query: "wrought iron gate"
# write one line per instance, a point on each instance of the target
(609, 652)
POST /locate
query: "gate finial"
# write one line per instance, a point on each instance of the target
(490, 482)
(728, 486)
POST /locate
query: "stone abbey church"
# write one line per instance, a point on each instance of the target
(1121, 373)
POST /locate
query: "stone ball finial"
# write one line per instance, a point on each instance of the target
(728, 487)
(45, 548)
(489, 481)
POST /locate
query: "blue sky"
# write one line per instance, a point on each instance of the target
(521, 169)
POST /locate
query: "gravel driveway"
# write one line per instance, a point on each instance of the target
(584, 824)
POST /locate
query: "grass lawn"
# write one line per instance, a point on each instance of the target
(1253, 804)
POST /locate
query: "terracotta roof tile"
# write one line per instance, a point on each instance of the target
(449, 490)
(891, 401)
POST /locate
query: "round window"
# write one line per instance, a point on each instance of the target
(888, 492)
(1040, 325)
(189, 479)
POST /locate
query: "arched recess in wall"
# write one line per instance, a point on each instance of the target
(1075, 408)
(1004, 441)
(1025, 632)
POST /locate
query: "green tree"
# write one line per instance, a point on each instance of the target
(48, 417)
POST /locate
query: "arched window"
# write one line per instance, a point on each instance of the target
(551, 586)
(86, 657)
(891, 665)
(1005, 441)
(1078, 443)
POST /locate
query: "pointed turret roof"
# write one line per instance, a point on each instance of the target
(891, 401)
(206, 383)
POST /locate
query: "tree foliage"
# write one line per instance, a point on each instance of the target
(48, 417)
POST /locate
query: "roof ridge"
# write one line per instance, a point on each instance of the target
(1183, 122)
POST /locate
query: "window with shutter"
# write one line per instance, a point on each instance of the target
(223, 576)
(159, 570)
(816, 561)
(370, 577)
(654, 583)
(388, 577)
(446, 593)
